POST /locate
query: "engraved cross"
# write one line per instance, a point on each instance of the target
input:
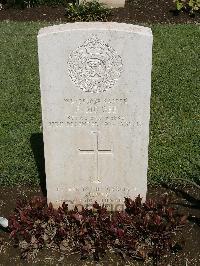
(96, 151)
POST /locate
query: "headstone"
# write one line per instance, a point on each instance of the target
(95, 81)
(109, 3)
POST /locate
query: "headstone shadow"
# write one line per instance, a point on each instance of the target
(195, 174)
(37, 146)
(193, 203)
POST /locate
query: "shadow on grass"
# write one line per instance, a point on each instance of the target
(193, 181)
(37, 146)
(192, 202)
(195, 175)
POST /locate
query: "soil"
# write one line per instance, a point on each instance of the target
(135, 11)
(185, 199)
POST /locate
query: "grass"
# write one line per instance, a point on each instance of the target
(175, 107)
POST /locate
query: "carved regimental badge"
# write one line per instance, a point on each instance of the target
(94, 66)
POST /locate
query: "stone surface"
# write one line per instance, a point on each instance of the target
(109, 3)
(95, 81)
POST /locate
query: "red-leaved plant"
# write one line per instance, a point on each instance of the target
(143, 230)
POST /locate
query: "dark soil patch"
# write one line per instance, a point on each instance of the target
(135, 11)
(185, 199)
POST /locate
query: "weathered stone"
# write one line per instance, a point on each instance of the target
(109, 3)
(95, 91)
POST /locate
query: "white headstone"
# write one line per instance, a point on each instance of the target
(109, 3)
(95, 83)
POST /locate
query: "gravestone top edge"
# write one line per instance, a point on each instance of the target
(112, 26)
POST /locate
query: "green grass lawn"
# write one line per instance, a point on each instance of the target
(175, 104)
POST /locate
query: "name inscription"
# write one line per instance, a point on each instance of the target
(94, 112)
